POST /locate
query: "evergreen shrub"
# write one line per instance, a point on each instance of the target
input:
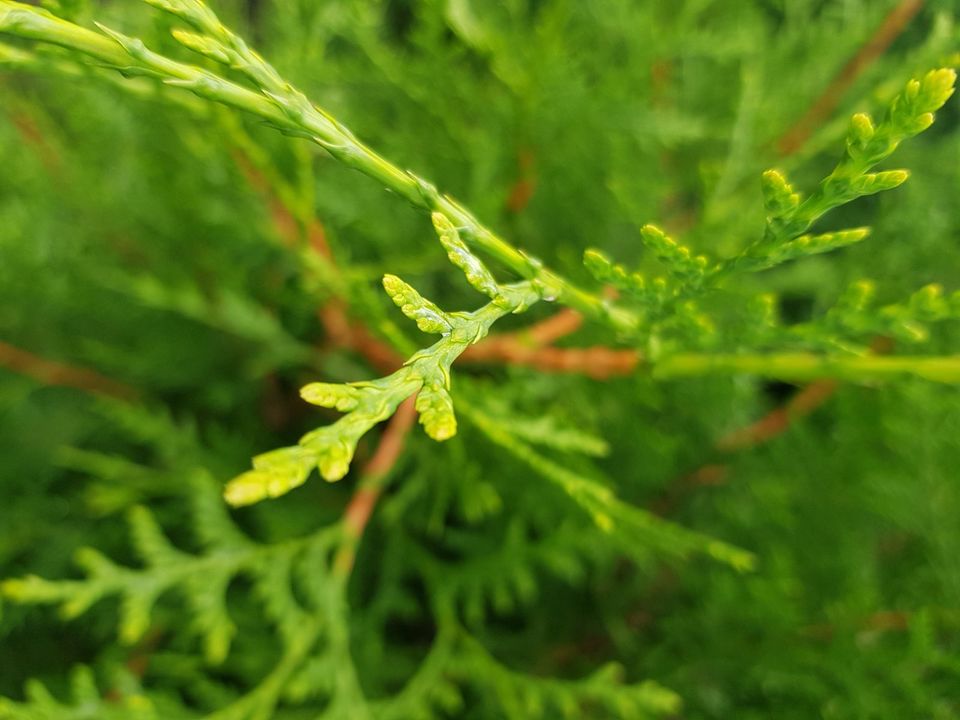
(690, 428)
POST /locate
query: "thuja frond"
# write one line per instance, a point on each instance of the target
(459, 660)
(854, 320)
(460, 574)
(906, 321)
(789, 214)
(202, 581)
(546, 431)
(674, 322)
(366, 403)
(86, 702)
(635, 530)
(434, 690)
(603, 693)
(506, 578)
(664, 318)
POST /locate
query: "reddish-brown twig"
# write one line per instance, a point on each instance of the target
(51, 372)
(522, 191)
(778, 420)
(556, 327)
(374, 473)
(31, 133)
(879, 622)
(801, 404)
(597, 362)
(546, 331)
(774, 423)
(891, 27)
(532, 348)
(342, 332)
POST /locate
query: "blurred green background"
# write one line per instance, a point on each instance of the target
(137, 240)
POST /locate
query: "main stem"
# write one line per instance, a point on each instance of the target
(807, 366)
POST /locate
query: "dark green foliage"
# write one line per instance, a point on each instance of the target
(551, 557)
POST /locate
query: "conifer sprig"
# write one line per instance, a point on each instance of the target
(636, 530)
(789, 214)
(367, 403)
(304, 600)
(673, 324)
(85, 702)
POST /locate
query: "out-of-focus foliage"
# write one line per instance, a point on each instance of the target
(136, 239)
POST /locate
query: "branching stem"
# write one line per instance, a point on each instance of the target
(290, 111)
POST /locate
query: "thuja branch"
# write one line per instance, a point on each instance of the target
(367, 403)
(662, 307)
(789, 215)
(289, 110)
(674, 324)
(889, 30)
(530, 347)
(286, 108)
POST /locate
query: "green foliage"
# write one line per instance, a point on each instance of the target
(175, 210)
(426, 374)
(86, 702)
(669, 304)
